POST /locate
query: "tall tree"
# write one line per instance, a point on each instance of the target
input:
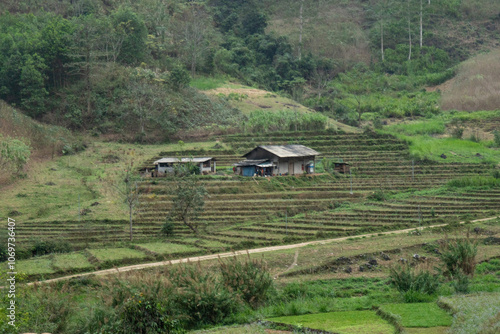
(188, 201)
(133, 48)
(301, 25)
(194, 35)
(129, 191)
(409, 29)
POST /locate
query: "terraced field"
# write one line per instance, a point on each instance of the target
(245, 212)
(266, 211)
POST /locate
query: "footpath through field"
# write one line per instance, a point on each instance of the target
(235, 253)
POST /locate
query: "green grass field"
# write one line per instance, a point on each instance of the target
(116, 254)
(476, 313)
(36, 266)
(353, 322)
(73, 261)
(419, 314)
(168, 248)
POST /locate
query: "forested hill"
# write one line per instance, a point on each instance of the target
(117, 66)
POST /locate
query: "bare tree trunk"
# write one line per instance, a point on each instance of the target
(382, 39)
(421, 28)
(301, 18)
(409, 30)
(130, 222)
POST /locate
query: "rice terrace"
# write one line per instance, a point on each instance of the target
(250, 167)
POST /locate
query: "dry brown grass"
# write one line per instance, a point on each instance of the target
(46, 141)
(477, 85)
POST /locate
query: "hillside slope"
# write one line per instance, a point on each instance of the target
(476, 85)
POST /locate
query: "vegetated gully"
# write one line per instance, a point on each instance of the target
(236, 253)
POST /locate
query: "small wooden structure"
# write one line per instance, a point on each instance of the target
(342, 167)
(167, 165)
(269, 160)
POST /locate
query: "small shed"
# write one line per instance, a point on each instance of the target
(279, 160)
(342, 167)
(167, 165)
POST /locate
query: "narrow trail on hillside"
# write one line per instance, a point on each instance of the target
(241, 252)
(294, 263)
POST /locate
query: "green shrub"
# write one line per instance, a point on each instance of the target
(378, 195)
(492, 265)
(474, 181)
(144, 303)
(201, 297)
(249, 279)
(14, 154)
(167, 229)
(496, 133)
(42, 247)
(457, 132)
(414, 283)
(461, 282)
(459, 256)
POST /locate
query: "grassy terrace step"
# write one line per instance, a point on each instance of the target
(261, 203)
(453, 201)
(305, 227)
(282, 231)
(298, 195)
(437, 205)
(354, 220)
(247, 235)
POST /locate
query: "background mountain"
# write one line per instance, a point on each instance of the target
(122, 69)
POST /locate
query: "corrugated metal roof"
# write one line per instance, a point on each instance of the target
(182, 160)
(286, 151)
(250, 162)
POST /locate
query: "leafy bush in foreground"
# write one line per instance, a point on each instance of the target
(415, 284)
(459, 255)
(249, 279)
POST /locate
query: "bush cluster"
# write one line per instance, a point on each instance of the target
(183, 298)
(416, 284)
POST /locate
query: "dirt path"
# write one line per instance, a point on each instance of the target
(242, 252)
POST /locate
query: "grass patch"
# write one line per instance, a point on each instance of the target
(474, 181)
(36, 266)
(355, 322)
(429, 127)
(247, 329)
(429, 330)
(72, 261)
(419, 314)
(456, 150)
(207, 83)
(114, 254)
(168, 248)
(474, 314)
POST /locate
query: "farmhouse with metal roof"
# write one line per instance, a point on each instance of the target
(269, 160)
(166, 165)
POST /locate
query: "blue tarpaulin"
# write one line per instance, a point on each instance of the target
(248, 170)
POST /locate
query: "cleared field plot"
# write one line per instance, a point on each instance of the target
(247, 329)
(351, 322)
(205, 243)
(419, 314)
(428, 330)
(37, 266)
(474, 313)
(115, 254)
(73, 261)
(168, 248)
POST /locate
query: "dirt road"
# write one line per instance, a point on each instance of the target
(228, 254)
